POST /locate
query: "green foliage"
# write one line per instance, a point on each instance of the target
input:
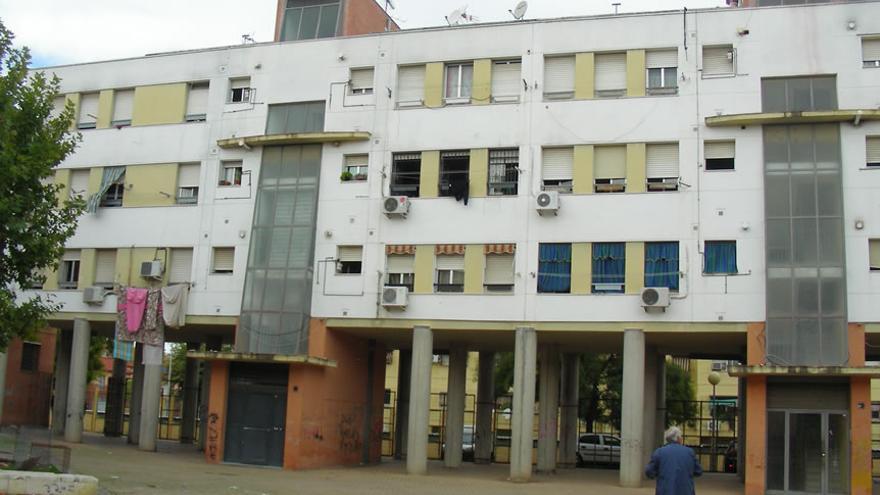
(178, 365)
(680, 406)
(98, 347)
(503, 373)
(34, 227)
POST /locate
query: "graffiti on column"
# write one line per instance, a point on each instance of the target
(349, 434)
(213, 435)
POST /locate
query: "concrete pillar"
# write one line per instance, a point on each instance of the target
(660, 424)
(190, 398)
(632, 408)
(137, 393)
(649, 422)
(114, 413)
(548, 408)
(3, 362)
(213, 343)
(523, 404)
(568, 428)
(455, 394)
(401, 415)
(420, 401)
(741, 429)
(150, 401)
(62, 381)
(483, 437)
(76, 389)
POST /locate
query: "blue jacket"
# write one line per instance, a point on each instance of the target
(674, 466)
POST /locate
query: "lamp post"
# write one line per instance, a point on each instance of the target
(714, 378)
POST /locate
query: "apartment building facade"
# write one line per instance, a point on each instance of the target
(692, 184)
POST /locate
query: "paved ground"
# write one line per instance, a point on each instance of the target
(123, 469)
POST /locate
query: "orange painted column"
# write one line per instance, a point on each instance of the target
(860, 415)
(756, 412)
(217, 398)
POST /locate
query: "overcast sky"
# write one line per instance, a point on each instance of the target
(60, 32)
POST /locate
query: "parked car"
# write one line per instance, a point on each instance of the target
(467, 444)
(598, 448)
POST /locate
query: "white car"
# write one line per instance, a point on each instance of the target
(598, 448)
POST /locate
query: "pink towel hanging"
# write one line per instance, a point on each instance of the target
(135, 303)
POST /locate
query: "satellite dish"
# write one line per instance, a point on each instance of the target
(520, 10)
(457, 16)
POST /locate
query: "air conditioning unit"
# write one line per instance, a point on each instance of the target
(655, 298)
(93, 295)
(719, 365)
(151, 269)
(395, 206)
(394, 297)
(547, 202)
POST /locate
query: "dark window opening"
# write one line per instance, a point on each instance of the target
(69, 277)
(454, 167)
(799, 94)
(401, 280)
(348, 267)
(503, 172)
(114, 195)
(406, 174)
(240, 95)
(30, 356)
(719, 163)
(449, 281)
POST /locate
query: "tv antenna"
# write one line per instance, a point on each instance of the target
(519, 11)
(388, 5)
(247, 39)
(459, 16)
(616, 6)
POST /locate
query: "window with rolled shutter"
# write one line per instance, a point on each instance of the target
(559, 77)
(499, 272)
(872, 151)
(656, 59)
(506, 77)
(105, 267)
(240, 90)
(410, 85)
(718, 60)
(874, 254)
(361, 81)
(357, 166)
(450, 273)
(610, 74)
(181, 265)
(610, 162)
(400, 270)
(719, 155)
(662, 160)
(123, 102)
(88, 111)
(197, 102)
(79, 182)
(349, 259)
(224, 259)
(871, 52)
(556, 168)
(188, 183)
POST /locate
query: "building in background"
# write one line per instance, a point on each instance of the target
(28, 387)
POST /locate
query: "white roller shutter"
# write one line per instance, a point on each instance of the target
(79, 182)
(411, 83)
(188, 174)
(557, 163)
(719, 149)
(350, 253)
(506, 76)
(610, 71)
(661, 58)
(123, 102)
(356, 160)
(662, 160)
(71, 255)
(224, 259)
(181, 265)
(610, 162)
(450, 262)
(871, 50)
(559, 75)
(718, 60)
(400, 263)
(361, 80)
(241, 82)
(197, 100)
(105, 266)
(872, 145)
(499, 269)
(88, 110)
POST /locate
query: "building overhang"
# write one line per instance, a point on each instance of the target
(743, 119)
(245, 357)
(804, 371)
(293, 138)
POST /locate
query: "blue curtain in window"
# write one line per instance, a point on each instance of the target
(720, 257)
(554, 268)
(661, 265)
(609, 266)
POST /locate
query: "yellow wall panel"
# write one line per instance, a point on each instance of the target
(123, 266)
(160, 104)
(150, 185)
(423, 268)
(138, 256)
(635, 267)
(105, 108)
(73, 98)
(582, 169)
(429, 180)
(584, 76)
(478, 174)
(62, 178)
(581, 267)
(636, 167)
(434, 84)
(481, 92)
(473, 269)
(51, 280)
(95, 175)
(635, 73)
(86, 268)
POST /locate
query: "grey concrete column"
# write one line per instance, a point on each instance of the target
(568, 428)
(76, 389)
(649, 422)
(190, 398)
(660, 424)
(150, 407)
(483, 437)
(401, 415)
(548, 408)
(114, 413)
(455, 392)
(3, 362)
(137, 393)
(420, 401)
(632, 408)
(741, 429)
(62, 381)
(522, 427)
(213, 343)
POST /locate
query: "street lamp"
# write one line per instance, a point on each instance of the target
(714, 379)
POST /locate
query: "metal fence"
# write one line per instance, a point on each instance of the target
(32, 448)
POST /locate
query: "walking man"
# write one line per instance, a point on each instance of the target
(674, 466)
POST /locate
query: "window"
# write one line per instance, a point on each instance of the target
(230, 173)
(554, 268)
(499, 273)
(719, 155)
(875, 412)
(719, 60)
(400, 270)
(454, 166)
(30, 356)
(88, 111)
(349, 259)
(123, 103)
(719, 257)
(506, 77)
(79, 183)
(310, 22)
(68, 276)
(559, 77)
(556, 169)
(188, 183)
(872, 151)
(798, 94)
(459, 78)
(661, 265)
(610, 75)
(114, 195)
(197, 102)
(105, 268)
(355, 167)
(405, 174)
(662, 167)
(662, 67)
(181, 266)
(410, 85)
(609, 169)
(503, 172)
(874, 254)
(38, 278)
(360, 81)
(450, 273)
(609, 267)
(224, 260)
(291, 118)
(240, 90)
(870, 52)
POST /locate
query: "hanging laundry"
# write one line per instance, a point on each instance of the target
(174, 301)
(152, 330)
(135, 303)
(458, 187)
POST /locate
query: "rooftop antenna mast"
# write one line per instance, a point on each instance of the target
(388, 5)
(616, 5)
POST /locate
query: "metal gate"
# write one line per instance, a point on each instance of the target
(256, 414)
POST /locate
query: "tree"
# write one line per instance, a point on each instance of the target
(35, 223)
(98, 347)
(178, 365)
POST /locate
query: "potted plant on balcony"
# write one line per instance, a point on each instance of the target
(346, 176)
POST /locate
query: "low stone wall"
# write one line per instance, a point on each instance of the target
(31, 483)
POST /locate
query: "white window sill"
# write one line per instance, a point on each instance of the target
(718, 76)
(402, 105)
(457, 101)
(505, 99)
(229, 186)
(869, 168)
